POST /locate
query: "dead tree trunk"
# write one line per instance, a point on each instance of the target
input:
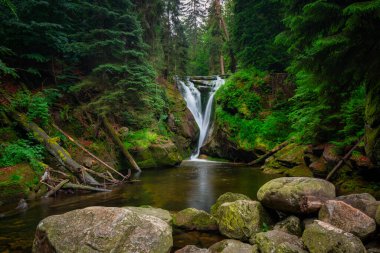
(55, 149)
(120, 144)
(270, 153)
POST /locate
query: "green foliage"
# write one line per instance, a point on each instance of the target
(142, 138)
(21, 151)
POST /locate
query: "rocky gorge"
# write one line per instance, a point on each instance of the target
(295, 214)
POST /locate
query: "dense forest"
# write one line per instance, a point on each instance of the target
(89, 90)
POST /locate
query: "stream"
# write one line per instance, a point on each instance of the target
(193, 184)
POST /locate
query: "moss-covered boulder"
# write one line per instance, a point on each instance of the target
(365, 202)
(156, 212)
(347, 218)
(291, 225)
(194, 219)
(17, 182)
(224, 198)
(157, 155)
(284, 194)
(321, 237)
(103, 229)
(242, 219)
(233, 246)
(276, 241)
(192, 249)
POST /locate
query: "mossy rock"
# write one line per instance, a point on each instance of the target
(291, 225)
(321, 237)
(17, 182)
(276, 241)
(378, 215)
(292, 155)
(224, 198)
(194, 219)
(284, 194)
(156, 212)
(242, 219)
(231, 246)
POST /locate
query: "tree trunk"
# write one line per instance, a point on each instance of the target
(55, 149)
(270, 153)
(118, 142)
(372, 123)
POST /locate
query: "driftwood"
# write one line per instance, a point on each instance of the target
(270, 153)
(344, 159)
(56, 188)
(84, 187)
(120, 144)
(88, 152)
(55, 149)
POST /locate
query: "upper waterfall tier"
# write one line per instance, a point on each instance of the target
(200, 102)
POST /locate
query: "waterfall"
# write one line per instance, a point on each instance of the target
(200, 105)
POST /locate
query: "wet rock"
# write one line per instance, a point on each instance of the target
(242, 219)
(347, 218)
(378, 215)
(291, 156)
(194, 219)
(284, 194)
(102, 229)
(330, 154)
(224, 198)
(319, 168)
(360, 161)
(22, 205)
(192, 249)
(233, 246)
(365, 202)
(156, 212)
(291, 225)
(321, 237)
(278, 241)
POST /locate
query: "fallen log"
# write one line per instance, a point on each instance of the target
(84, 187)
(270, 153)
(54, 149)
(344, 159)
(120, 144)
(206, 78)
(56, 188)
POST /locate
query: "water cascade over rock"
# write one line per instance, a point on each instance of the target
(199, 100)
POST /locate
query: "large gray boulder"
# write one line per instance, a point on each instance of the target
(285, 194)
(365, 202)
(103, 229)
(194, 219)
(321, 237)
(347, 218)
(276, 241)
(291, 225)
(192, 249)
(152, 211)
(233, 246)
(242, 219)
(224, 198)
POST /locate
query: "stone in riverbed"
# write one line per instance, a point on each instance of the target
(242, 219)
(291, 225)
(347, 218)
(152, 211)
(278, 241)
(192, 249)
(224, 198)
(321, 237)
(284, 194)
(103, 229)
(194, 219)
(233, 246)
(365, 202)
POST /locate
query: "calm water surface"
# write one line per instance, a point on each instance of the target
(193, 184)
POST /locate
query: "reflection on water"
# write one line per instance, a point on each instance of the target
(194, 184)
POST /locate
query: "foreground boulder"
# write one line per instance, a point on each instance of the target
(378, 215)
(242, 219)
(103, 229)
(233, 246)
(192, 249)
(347, 218)
(278, 241)
(291, 225)
(286, 193)
(152, 211)
(321, 237)
(224, 198)
(365, 202)
(192, 218)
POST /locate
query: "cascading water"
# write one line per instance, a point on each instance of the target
(195, 103)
